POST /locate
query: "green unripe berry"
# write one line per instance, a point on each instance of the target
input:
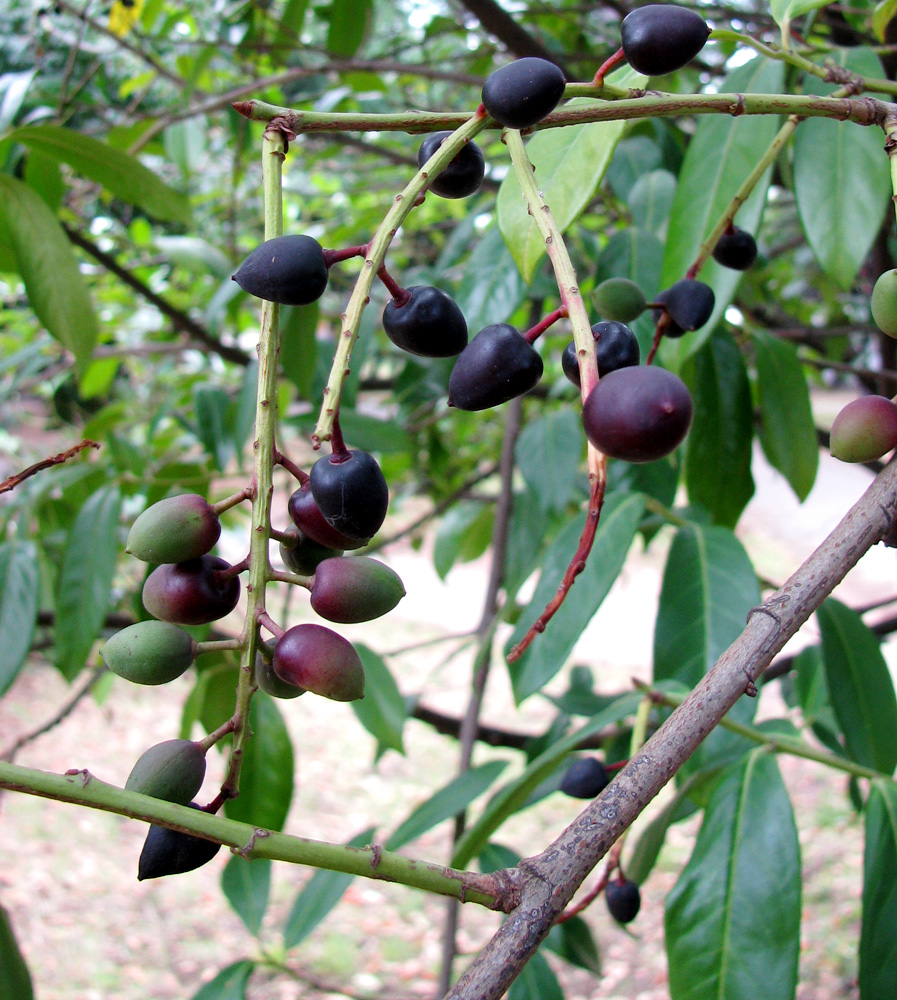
(865, 430)
(173, 771)
(149, 652)
(174, 530)
(619, 299)
(884, 303)
(355, 590)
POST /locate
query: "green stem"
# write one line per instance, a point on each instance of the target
(214, 645)
(374, 258)
(890, 127)
(82, 788)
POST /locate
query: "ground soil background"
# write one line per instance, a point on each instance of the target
(90, 931)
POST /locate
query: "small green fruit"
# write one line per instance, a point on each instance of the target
(174, 530)
(173, 771)
(619, 299)
(149, 652)
(358, 589)
(884, 302)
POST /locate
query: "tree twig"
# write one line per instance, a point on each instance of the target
(12, 482)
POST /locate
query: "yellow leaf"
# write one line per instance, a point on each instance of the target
(123, 16)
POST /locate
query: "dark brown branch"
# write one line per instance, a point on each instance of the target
(13, 481)
(508, 31)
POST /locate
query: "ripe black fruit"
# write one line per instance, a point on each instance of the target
(523, 92)
(671, 329)
(321, 661)
(464, 174)
(351, 492)
(290, 270)
(638, 414)
(429, 324)
(172, 852)
(307, 517)
(192, 592)
(623, 900)
(585, 778)
(661, 38)
(737, 250)
(689, 303)
(497, 365)
(615, 347)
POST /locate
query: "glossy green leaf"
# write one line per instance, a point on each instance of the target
(464, 533)
(719, 158)
(733, 918)
(492, 287)
(84, 591)
(569, 163)
(536, 982)
(551, 442)
(44, 258)
(229, 984)
(494, 857)
(860, 686)
(318, 897)
(718, 446)
(299, 347)
(15, 978)
(784, 11)
(349, 23)
(842, 182)
(878, 943)
(450, 800)
(882, 16)
(44, 175)
(525, 536)
(787, 432)
(123, 176)
(19, 592)
(651, 839)
(634, 156)
(650, 200)
(247, 885)
(811, 688)
(619, 522)
(572, 940)
(266, 780)
(382, 711)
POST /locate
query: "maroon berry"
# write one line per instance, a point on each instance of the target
(192, 592)
(585, 778)
(317, 659)
(497, 365)
(355, 590)
(615, 347)
(305, 554)
(865, 430)
(307, 517)
(270, 683)
(464, 174)
(736, 249)
(689, 303)
(172, 852)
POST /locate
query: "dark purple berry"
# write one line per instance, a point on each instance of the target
(638, 414)
(670, 329)
(661, 38)
(351, 491)
(192, 592)
(497, 365)
(737, 249)
(429, 324)
(585, 778)
(290, 270)
(464, 174)
(307, 516)
(304, 556)
(623, 900)
(172, 852)
(615, 347)
(317, 659)
(523, 92)
(689, 303)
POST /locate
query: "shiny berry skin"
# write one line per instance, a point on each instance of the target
(523, 92)
(884, 302)
(290, 270)
(865, 430)
(464, 174)
(623, 900)
(307, 516)
(351, 492)
(615, 347)
(585, 778)
(661, 38)
(359, 589)
(497, 365)
(174, 529)
(429, 324)
(736, 250)
(689, 303)
(172, 852)
(317, 659)
(305, 556)
(192, 592)
(638, 414)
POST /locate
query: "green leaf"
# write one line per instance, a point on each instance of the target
(718, 446)
(650, 201)
(450, 800)
(229, 984)
(551, 442)
(464, 533)
(319, 896)
(247, 884)
(842, 182)
(266, 780)
(19, 592)
(882, 17)
(492, 287)
(211, 405)
(619, 522)
(573, 941)
(787, 432)
(719, 158)
(349, 23)
(860, 686)
(299, 348)
(382, 711)
(84, 591)
(44, 258)
(811, 688)
(495, 857)
(536, 982)
(292, 18)
(878, 944)
(13, 88)
(785, 11)
(14, 975)
(123, 176)
(569, 163)
(733, 918)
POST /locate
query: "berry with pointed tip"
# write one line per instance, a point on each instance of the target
(172, 852)
(884, 302)
(174, 529)
(623, 900)
(615, 347)
(736, 249)
(463, 175)
(351, 492)
(291, 270)
(307, 516)
(270, 683)
(661, 38)
(497, 365)
(671, 329)
(172, 771)
(429, 324)
(523, 92)
(865, 430)
(638, 414)
(192, 592)
(585, 778)
(619, 299)
(355, 590)
(321, 661)
(690, 303)
(149, 652)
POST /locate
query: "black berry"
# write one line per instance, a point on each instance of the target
(497, 365)
(429, 324)
(615, 347)
(661, 38)
(737, 250)
(623, 900)
(689, 303)
(290, 270)
(523, 92)
(585, 778)
(351, 492)
(307, 516)
(464, 174)
(172, 852)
